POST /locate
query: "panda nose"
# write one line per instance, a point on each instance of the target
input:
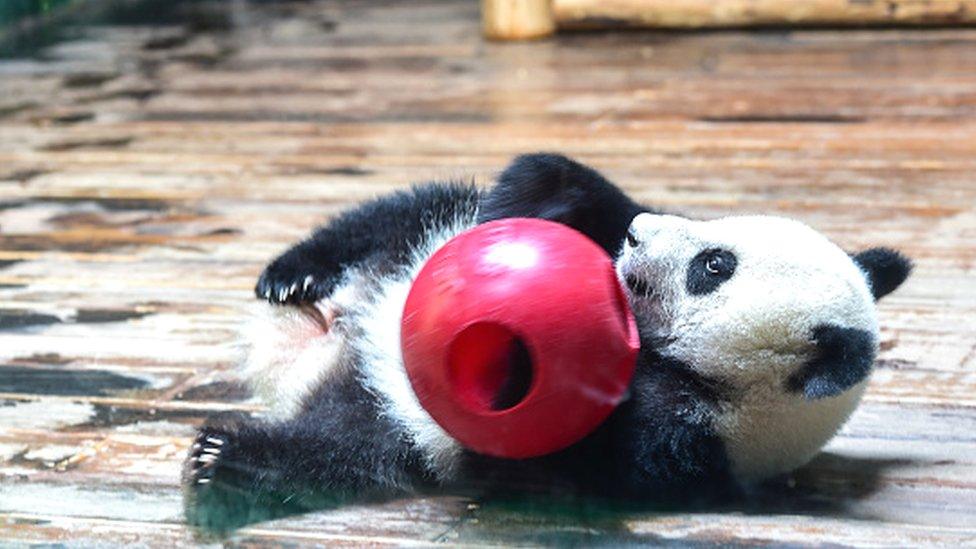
(632, 237)
(640, 230)
(643, 228)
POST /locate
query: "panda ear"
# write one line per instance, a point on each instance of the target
(884, 268)
(556, 188)
(844, 358)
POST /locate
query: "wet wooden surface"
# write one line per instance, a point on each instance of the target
(148, 172)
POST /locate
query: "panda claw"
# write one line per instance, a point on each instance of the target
(206, 454)
(280, 286)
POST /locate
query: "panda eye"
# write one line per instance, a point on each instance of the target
(708, 270)
(715, 264)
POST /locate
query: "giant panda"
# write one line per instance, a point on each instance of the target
(757, 338)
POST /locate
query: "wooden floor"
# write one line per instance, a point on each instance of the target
(148, 172)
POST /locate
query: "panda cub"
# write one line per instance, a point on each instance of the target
(757, 338)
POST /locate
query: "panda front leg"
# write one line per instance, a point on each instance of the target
(383, 232)
(338, 448)
(666, 447)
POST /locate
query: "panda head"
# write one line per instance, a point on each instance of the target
(759, 304)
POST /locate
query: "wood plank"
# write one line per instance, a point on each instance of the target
(148, 172)
(738, 13)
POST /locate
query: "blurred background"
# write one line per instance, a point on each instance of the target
(154, 155)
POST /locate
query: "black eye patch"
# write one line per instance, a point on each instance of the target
(708, 270)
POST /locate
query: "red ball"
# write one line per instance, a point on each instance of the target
(525, 305)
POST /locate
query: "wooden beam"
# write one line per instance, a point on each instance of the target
(524, 19)
(516, 19)
(246, 142)
(745, 13)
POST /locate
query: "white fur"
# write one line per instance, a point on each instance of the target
(753, 332)
(386, 376)
(289, 353)
(773, 432)
(756, 328)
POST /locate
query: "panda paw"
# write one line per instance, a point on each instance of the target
(223, 482)
(283, 283)
(206, 453)
(212, 500)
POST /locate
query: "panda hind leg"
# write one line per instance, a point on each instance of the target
(241, 472)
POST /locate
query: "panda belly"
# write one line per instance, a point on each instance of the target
(772, 433)
(288, 352)
(294, 352)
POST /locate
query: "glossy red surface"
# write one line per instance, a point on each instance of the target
(519, 288)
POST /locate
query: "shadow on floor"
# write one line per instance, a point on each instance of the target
(828, 487)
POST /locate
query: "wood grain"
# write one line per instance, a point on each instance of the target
(742, 13)
(147, 172)
(516, 19)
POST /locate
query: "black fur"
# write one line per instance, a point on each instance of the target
(664, 442)
(553, 187)
(884, 268)
(708, 270)
(658, 444)
(654, 444)
(382, 232)
(844, 358)
(340, 446)
(638, 285)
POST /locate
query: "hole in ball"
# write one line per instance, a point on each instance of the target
(490, 368)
